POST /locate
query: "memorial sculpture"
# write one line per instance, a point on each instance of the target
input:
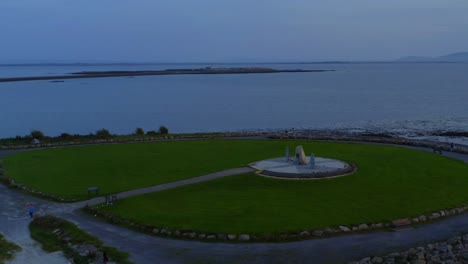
(301, 158)
(312, 161)
(300, 166)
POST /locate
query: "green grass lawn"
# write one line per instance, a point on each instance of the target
(67, 234)
(67, 172)
(391, 183)
(7, 249)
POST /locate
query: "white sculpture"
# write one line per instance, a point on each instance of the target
(301, 158)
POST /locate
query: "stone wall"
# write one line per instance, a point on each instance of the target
(454, 251)
(281, 237)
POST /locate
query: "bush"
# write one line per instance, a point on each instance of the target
(163, 130)
(3, 178)
(152, 133)
(68, 235)
(37, 134)
(139, 131)
(7, 249)
(103, 133)
(65, 136)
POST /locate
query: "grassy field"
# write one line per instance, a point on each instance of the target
(391, 183)
(67, 234)
(7, 249)
(67, 172)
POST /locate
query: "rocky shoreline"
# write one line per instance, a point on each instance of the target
(453, 251)
(325, 135)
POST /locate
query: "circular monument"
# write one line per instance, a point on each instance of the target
(302, 166)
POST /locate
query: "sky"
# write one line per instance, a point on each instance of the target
(229, 30)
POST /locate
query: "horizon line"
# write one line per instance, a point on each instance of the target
(217, 63)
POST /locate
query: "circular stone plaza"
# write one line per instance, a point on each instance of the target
(302, 167)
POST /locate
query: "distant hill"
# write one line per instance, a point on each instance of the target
(454, 57)
(415, 59)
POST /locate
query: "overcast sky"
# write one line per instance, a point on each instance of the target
(229, 30)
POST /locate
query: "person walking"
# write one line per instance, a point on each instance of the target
(452, 147)
(31, 210)
(105, 258)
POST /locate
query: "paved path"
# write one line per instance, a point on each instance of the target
(454, 155)
(149, 249)
(14, 221)
(165, 186)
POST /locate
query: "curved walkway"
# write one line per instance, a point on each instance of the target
(150, 249)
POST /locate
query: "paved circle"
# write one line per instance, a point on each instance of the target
(324, 168)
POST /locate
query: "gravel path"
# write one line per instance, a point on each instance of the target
(149, 249)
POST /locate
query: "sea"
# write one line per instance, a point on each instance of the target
(409, 99)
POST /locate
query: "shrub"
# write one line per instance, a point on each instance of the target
(7, 249)
(42, 229)
(103, 133)
(65, 136)
(37, 134)
(163, 130)
(3, 178)
(139, 131)
(151, 133)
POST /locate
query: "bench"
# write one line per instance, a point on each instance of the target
(94, 189)
(437, 151)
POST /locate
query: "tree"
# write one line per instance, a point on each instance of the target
(163, 130)
(151, 133)
(37, 134)
(65, 136)
(139, 131)
(103, 133)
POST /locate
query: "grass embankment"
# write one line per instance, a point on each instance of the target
(7, 249)
(391, 183)
(57, 234)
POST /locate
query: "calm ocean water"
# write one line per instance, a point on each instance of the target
(353, 95)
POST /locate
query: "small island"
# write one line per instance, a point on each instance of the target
(206, 70)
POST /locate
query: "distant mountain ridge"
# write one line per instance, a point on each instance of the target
(454, 57)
